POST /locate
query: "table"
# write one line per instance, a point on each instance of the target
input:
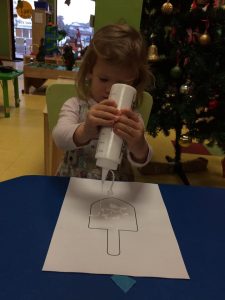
(37, 73)
(29, 209)
(4, 77)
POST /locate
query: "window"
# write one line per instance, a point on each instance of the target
(75, 20)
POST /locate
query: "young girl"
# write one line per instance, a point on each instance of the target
(116, 54)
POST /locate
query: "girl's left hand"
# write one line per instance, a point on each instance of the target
(131, 129)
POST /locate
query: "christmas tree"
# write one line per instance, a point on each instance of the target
(186, 43)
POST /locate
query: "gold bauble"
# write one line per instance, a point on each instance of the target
(204, 39)
(184, 89)
(185, 140)
(167, 8)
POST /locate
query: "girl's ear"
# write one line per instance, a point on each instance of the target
(88, 78)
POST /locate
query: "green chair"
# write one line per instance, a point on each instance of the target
(56, 95)
(145, 107)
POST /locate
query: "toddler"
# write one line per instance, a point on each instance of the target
(116, 54)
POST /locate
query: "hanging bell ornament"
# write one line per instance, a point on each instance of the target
(185, 140)
(153, 53)
(167, 8)
(204, 39)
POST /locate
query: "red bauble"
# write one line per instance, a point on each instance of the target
(213, 103)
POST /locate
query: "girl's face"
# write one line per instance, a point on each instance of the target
(104, 75)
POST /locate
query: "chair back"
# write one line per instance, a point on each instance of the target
(56, 95)
(145, 107)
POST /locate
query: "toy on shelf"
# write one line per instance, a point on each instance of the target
(40, 57)
(68, 57)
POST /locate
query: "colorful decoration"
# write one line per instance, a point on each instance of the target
(24, 9)
(185, 88)
(51, 37)
(192, 43)
(204, 39)
(153, 53)
(213, 103)
(200, 4)
(167, 8)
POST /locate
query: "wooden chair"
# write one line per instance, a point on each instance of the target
(56, 95)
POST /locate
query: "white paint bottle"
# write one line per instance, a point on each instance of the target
(109, 148)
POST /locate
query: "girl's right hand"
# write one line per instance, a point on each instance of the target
(101, 114)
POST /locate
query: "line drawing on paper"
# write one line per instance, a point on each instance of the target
(113, 215)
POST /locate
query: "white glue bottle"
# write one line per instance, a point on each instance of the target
(109, 148)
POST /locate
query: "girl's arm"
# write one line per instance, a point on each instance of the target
(100, 114)
(71, 131)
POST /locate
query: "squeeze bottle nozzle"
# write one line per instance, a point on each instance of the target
(104, 174)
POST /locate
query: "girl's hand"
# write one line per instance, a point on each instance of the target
(103, 113)
(130, 128)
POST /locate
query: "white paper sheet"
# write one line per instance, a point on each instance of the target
(127, 233)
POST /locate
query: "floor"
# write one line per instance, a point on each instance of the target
(22, 144)
(21, 135)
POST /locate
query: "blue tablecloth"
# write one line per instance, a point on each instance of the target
(29, 208)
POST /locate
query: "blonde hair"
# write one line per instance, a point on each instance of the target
(118, 44)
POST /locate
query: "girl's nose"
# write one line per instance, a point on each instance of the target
(108, 88)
